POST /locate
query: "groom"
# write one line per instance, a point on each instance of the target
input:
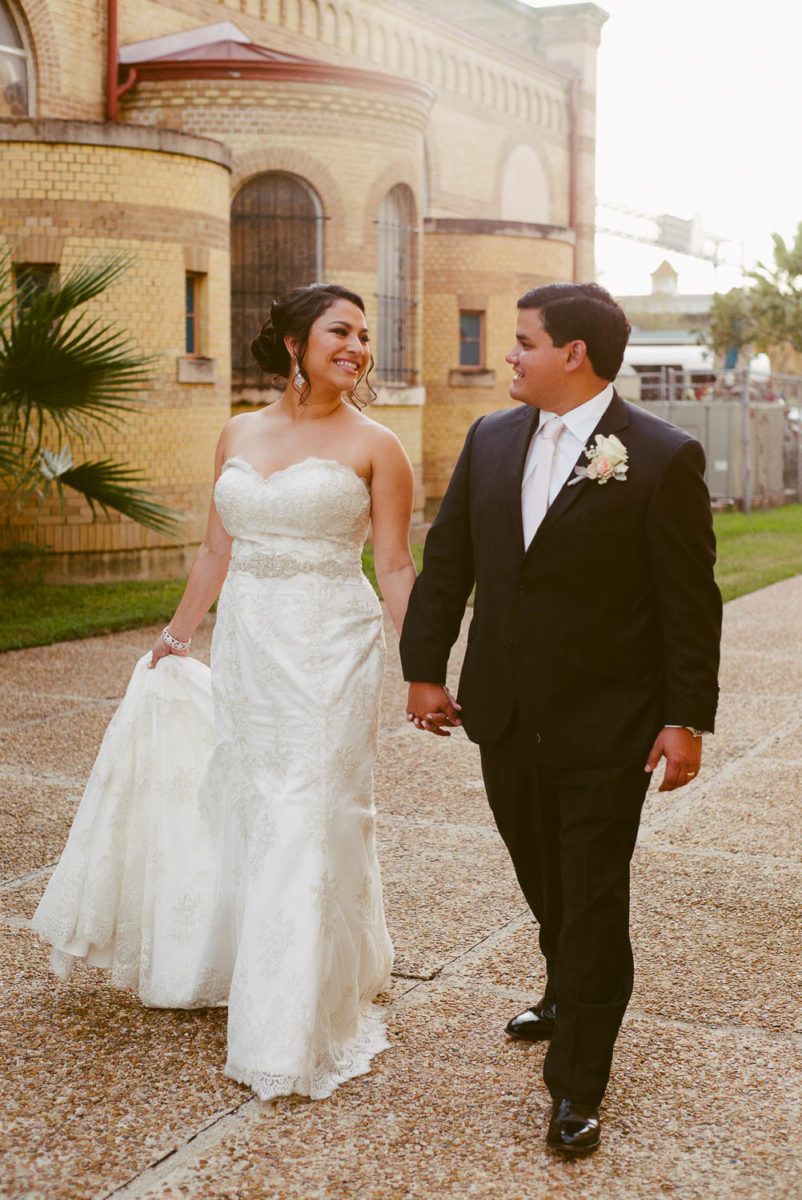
(585, 524)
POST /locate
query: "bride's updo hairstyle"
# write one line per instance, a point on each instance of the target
(292, 316)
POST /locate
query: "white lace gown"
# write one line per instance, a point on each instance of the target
(224, 850)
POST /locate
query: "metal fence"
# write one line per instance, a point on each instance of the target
(749, 426)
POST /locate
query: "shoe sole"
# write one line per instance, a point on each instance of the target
(525, 1037)
(572, 1151)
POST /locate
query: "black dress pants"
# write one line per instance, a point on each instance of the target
(570, 833)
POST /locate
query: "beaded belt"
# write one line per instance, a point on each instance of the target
(266, 564)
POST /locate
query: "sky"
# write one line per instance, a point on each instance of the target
(698, 115)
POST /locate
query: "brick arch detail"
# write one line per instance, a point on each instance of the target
(308, 168)
(393, 174)
(518, 137)
(35, 17)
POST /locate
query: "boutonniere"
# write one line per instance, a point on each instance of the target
(608, 459)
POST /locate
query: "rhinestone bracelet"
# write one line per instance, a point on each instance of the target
(172, 642)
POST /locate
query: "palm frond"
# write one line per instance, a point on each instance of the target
(85, 373)
(57, 365)
(65, 372)
(10, 451)
(108, 485)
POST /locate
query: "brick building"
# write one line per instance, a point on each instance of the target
(435, 155)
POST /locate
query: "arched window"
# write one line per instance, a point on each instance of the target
(276, 243)
(16, 67)
(396, 295)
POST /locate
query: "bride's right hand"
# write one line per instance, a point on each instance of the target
(160, 649)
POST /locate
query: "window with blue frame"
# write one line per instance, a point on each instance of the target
(192, 312)
(471, 339)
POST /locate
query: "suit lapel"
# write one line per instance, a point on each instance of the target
(614, 418)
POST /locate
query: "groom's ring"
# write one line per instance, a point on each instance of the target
(690, 774)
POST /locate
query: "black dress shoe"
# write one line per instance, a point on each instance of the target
(536, 1024)
(574, 1128)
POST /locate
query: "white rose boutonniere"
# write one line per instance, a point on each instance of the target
(608, 459)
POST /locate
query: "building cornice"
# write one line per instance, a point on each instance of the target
(494, 228)
(306, 71)
(524, 57)
(50, 130)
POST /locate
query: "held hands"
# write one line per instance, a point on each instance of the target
(683, 754)
(431, 708)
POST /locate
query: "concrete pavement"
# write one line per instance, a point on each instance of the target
(102, 1098)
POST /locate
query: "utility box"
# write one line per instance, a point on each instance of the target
(719, 426)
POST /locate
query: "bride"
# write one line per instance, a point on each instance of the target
(224, 850)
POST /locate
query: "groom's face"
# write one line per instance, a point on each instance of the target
(538, 366)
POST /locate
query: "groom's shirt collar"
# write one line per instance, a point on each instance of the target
(582, 420)
(579, 425)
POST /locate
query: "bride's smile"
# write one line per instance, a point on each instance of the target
(337, 354)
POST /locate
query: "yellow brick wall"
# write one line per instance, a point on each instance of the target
(483, 271)
(281, 126)
(152, 205)
(488, 93)
(68, 40)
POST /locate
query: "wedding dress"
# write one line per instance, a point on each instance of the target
(224, 850)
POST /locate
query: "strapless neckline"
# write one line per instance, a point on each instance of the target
(240, 460)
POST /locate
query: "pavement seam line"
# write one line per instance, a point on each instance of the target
(515, 993)
(743, 856)
(17, 775)
(205, 1138)
(13, 885)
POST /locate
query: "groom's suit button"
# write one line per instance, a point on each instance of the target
(521, 590)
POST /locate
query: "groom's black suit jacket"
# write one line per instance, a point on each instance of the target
(607, 628)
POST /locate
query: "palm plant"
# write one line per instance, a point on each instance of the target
(64, 378)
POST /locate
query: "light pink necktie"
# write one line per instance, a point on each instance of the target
(535, 491)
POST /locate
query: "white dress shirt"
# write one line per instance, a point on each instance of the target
(579, 425)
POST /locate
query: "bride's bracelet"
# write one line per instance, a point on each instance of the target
(172, 642)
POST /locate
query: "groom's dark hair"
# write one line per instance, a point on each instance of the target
(583, 312)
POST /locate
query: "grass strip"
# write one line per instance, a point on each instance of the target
(38, 614)
(757, 550)
(753, 552)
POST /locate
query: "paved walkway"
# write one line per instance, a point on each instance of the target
(103, 1098)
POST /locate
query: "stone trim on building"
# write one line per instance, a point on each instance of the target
(524, 229)
(53, 131)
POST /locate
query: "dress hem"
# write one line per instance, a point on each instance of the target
(352, 1060)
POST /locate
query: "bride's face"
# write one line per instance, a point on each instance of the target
(338, 348)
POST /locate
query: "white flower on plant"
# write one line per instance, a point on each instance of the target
(607, 459)
(53, 465)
